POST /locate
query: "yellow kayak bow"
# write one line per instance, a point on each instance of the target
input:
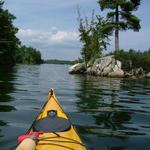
(59, 133)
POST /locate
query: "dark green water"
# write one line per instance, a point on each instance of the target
(109, 114)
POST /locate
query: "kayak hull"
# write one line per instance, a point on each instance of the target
(66, 140)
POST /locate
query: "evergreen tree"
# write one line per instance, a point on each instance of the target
(8, 40)
(120, 17)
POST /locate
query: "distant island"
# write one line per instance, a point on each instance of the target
(95, 34)
(121, 63)
(57, 61)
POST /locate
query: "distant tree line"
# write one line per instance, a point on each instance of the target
(28, 55)
(56, 61)
(133, 59)
(11, 49)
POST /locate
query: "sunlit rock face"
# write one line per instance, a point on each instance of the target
(78, 68)
(106, 66)
(148, 75)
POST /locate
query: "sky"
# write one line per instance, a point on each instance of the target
(51, 26)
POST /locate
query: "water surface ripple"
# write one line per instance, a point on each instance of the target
(109, 113)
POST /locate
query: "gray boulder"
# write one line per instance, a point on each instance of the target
(147, 75)
(78, 68)
(135, 73)
(106, 66)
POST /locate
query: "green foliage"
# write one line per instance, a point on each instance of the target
(133, 59)
(11, 51)
(8, 40)
(93, 37)
(28, 55)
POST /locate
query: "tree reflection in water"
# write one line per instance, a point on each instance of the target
(7, 76)
(99, 98)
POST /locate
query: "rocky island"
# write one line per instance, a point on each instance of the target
(108, 66)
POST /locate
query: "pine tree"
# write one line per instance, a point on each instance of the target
(121, 17)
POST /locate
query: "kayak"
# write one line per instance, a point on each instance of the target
(58, 131)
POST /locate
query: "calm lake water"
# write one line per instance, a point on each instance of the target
(109, 114)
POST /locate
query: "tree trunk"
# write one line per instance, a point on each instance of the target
(117, 29)
(116, 39)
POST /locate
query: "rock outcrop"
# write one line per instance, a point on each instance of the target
(78, 68)
(105, 66)
(135, 73)
(148, 75)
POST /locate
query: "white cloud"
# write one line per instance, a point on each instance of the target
(61, 36)
(65, 44)
(53, 39)
(49, 37)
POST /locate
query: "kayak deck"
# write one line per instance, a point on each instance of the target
(64, 140)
